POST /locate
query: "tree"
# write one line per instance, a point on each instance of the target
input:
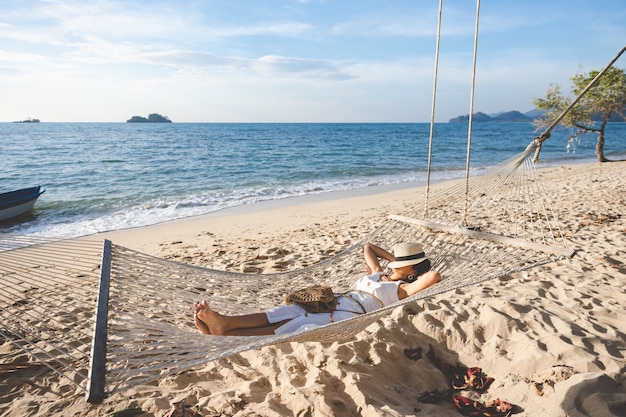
(603, 102)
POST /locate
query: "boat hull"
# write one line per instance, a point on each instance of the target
(16, 203)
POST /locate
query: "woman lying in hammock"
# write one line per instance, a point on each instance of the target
(411, 274)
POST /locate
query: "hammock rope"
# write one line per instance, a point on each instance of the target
(38, 285)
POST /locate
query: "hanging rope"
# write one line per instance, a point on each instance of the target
(471, 113)
(432, 113)
(434, 99)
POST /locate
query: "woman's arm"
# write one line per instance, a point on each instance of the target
(372, 253)
(424, 281)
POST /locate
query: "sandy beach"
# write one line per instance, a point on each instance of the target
(553, 337)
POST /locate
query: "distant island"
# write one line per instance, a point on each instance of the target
(516, 117)
(152, 118)
(506, 117)
(29, 120)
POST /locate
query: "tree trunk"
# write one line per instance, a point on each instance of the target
(600, 147)
(600, 144)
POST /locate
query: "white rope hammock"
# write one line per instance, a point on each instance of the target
(106, 317)
(51, 290)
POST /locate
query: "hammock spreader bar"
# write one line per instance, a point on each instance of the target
(97, 364)
(486, 236)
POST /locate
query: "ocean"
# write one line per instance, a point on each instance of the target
(109, 176)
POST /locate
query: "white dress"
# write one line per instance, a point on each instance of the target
(348, 305)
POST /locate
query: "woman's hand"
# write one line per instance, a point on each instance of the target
(424, 281)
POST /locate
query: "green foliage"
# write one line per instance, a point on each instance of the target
(605, 101)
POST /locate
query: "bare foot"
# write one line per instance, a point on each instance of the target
(214, 321)
(202, 327)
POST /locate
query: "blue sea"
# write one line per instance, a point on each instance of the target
(110, 176)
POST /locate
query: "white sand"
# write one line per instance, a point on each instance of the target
(561, 325)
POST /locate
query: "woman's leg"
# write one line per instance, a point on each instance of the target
(217, 324)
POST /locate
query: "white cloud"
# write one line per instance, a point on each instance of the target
(291, 61)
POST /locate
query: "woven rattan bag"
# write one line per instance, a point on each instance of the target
(316, 299)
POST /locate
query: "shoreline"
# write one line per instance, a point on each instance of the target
(283, 217)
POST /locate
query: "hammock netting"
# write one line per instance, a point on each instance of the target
(489, 225)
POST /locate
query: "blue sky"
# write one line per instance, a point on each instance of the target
(292, 60)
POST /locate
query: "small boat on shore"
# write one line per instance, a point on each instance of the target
(18, 202)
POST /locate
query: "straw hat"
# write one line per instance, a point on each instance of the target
(407, 254)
